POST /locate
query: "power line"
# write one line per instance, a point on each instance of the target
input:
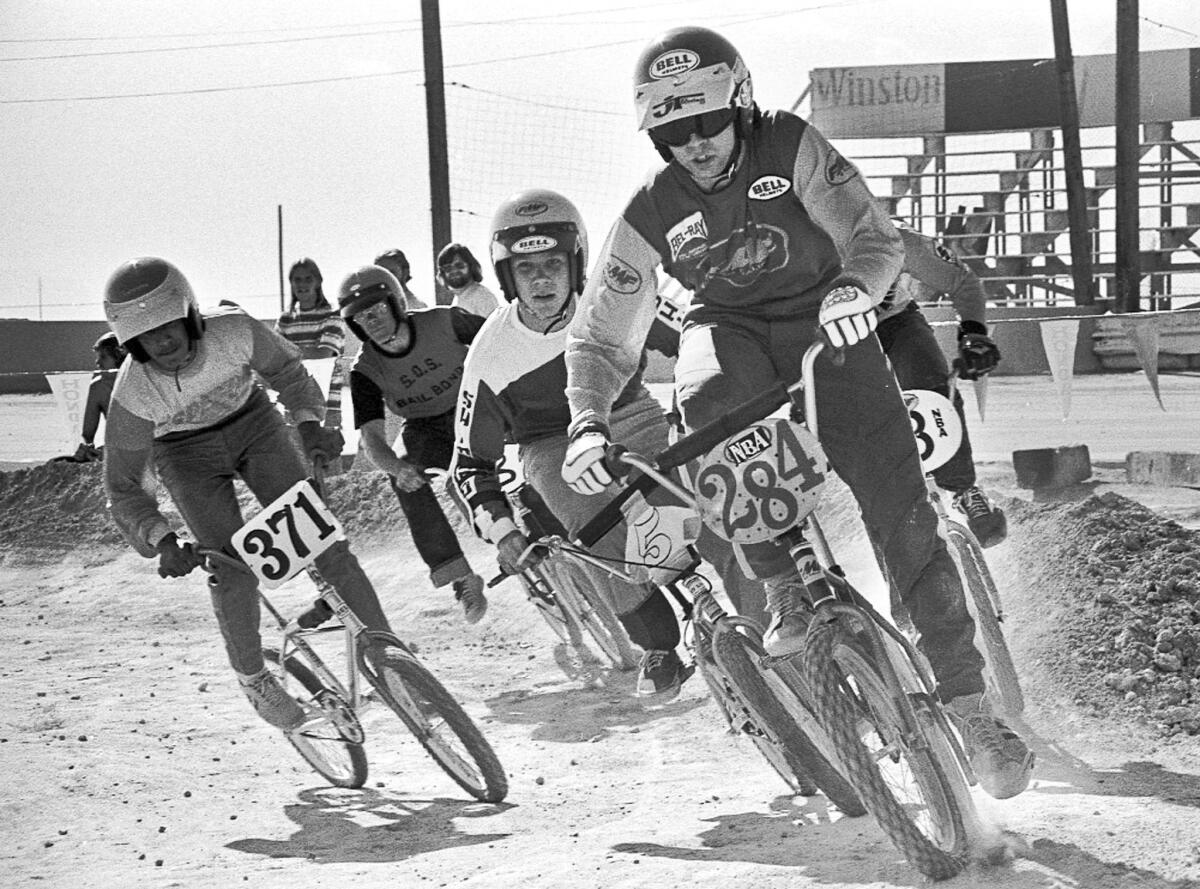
(1169, 27)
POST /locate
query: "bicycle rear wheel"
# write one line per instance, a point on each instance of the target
(434, 717)
(983, 598)
(589, 610)
(754, 710)
(904, 769)
(333, 746)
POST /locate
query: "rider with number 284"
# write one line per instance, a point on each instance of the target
(777, 235)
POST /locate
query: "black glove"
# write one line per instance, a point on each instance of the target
(175, 560)
(321, 445)
(978, 354)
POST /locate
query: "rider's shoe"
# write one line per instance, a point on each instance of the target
(469, 591)
(662, 674)
(999, 757)
(785, 600)
(985, 519)
(315, 615)
(271, 702)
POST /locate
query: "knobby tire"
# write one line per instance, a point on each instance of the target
(334, 747)
(444, 729)
(897, 768)
(757, 712)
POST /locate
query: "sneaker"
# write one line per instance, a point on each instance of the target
(785, 600)
(662, 674)
(984, 518)
(271, 702)
(997, 754)
(469, 591)
(317, 614)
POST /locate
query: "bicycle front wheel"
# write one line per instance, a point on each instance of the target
(589, 611)
(434, 717)
(754, 709)
(984, 601)
(332, 745)
(904, 770)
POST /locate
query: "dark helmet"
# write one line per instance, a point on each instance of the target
(108, 342)
(532, 221)
(686, 72)
(146, 293)
(366, 287)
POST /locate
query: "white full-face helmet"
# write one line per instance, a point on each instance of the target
(536, 220)
(146, 293)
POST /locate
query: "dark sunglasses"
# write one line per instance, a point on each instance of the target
(678, 132)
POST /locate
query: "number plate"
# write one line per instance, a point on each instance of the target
(656, 546)
(936, 425)
(761, 482)
(288, 535)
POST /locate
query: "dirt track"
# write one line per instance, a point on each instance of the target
(132, 760)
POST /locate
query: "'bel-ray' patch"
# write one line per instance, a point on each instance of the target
(688, 238)
(766, 187)
(621, 277)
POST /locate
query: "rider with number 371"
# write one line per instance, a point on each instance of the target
(188, 405)
(776, 234)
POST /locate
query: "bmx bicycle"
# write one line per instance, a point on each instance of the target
(381, 673)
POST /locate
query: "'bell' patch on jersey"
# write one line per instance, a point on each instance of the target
(764, 188)
(688, 238)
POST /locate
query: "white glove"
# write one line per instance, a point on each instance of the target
(847, 316)
(583, 467)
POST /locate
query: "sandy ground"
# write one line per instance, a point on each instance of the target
(131, 759)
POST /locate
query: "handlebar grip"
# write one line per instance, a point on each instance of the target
(616, 467)
(704, 439)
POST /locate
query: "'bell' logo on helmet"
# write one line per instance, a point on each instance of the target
(673, 63)
(534, 244)
(532, 208)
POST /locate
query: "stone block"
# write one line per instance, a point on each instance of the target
(1162, 468)
(1042, 468)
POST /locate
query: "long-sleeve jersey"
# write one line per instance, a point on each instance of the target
(931, 267)
(149, 403)
(512, 391)
(99, 394)
(422, 381)
(318, 332)
(794, 220)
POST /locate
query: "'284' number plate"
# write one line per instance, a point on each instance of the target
(761, 482)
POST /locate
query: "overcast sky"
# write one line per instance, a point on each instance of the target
(176, 127)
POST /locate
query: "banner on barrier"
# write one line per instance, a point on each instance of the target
(70, 390)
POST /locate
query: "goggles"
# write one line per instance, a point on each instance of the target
(678, 132)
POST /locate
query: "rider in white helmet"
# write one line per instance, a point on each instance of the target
(779, 239)
(512, 390)
(188, 406)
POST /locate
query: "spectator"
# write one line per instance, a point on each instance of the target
(397, 263)
(316, 328)
(459, 271)
(109, 356)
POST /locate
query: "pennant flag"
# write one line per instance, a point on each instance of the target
(70, 390)
(1142, 331)
(1058, 339)
(981, 386)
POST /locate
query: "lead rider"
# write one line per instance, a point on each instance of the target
(776, 234)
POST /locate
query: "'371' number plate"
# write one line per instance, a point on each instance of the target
(288, 535)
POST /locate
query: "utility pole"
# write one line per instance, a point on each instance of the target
(279, 228)
(435, 119)
(1077, 211)
(1128, 120)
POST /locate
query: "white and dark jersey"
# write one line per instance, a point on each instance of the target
(148, 403)
(932, 268)
(424, 380)
(795, 220)
(513, 390)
